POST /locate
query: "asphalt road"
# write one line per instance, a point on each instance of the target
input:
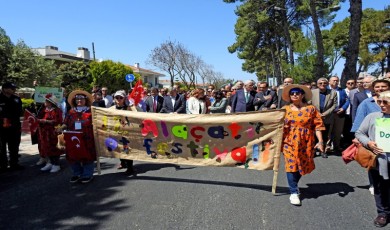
(164, 196)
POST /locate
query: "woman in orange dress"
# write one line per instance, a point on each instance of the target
(301, 125)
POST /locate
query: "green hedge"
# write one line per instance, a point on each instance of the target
(26, 103)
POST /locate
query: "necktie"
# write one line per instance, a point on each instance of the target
(246, 96)
(155, 104)
(200, 109)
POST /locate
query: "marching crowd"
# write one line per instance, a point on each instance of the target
(321, 118)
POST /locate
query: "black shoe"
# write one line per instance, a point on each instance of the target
(324, 155)
(16, 167)
(380, 221)
(130, 171)
(74, 179)
(86, 180)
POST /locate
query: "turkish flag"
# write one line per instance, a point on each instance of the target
(30, 123)
(136, 94)
(75, 146)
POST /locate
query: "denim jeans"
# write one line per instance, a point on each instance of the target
(83, 170)
(293, 179)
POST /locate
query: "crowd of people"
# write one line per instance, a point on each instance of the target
(321, 118)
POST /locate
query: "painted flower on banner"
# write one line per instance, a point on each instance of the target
(111, 144)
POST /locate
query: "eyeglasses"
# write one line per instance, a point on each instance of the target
(350, 83)
(119, 98)
(323, 83)
(385, 102)
(80, 99)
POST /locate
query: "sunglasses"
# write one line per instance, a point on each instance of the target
(79, 97)
(323, 83)
(350, 83)
(296, 92)
(119, 98)
(385, 102)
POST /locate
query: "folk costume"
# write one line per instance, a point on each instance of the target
(80, 145)
(49, 117)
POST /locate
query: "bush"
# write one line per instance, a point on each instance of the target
(26, 103)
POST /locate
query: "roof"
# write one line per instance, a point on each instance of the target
(144, 71)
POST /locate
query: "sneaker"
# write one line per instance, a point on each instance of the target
(74, 179)
(86, 179)
(55, 168)
(294, 199)
(47, 167)
(41, 161)
(371, 189)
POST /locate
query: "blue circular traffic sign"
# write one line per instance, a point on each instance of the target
(130, 77)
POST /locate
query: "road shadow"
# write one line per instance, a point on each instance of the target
(143, 167)
(267, 188)
(31, 199)
(315, 190)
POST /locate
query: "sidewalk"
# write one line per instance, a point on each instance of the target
(26, 147)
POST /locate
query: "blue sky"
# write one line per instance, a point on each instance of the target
(127, 30)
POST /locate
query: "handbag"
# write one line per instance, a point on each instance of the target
(365, 157)
(349, 154)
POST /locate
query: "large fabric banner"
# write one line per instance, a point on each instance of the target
(251, 140)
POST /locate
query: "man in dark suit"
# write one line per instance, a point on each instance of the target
(154, 102)
(265, 99)
(242, 100)
(174, 102)
(339, 113)
(287, 81)
(361, 96)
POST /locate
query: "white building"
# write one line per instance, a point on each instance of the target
(147, 76)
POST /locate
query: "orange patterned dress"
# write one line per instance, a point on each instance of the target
(299, 138)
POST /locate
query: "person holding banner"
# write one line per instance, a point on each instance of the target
(79, 139)
(301, 125)
(196, 104)
(119, 103)
(220, 103)
(49, 117)
(367, 134)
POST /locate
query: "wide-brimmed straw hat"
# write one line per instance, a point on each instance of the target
(286, 92)
(52, 99)
(79, 92)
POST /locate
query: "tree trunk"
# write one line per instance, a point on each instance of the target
(352, 52)
(319, 67)
(288, 38)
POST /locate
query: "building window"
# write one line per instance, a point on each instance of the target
(156, 81)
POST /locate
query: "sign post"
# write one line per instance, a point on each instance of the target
(130, 78)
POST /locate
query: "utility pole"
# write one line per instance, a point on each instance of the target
(93, 51)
